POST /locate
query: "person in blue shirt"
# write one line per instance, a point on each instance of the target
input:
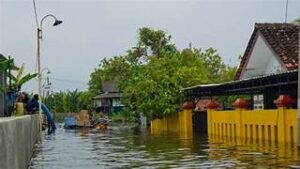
(33, 106)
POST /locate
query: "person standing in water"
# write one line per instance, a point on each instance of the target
(33, 106)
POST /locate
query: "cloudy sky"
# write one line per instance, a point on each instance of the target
(94, 29)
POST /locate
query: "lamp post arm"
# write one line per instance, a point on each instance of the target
(42, 20)
(45, 69)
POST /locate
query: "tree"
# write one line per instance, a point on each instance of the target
(95, 81)
(6, 64)
(151, 75)
(19, 79)
(213, 63)
(152, 42)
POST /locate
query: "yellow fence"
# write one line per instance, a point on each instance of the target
(180, 123)
(261, 125)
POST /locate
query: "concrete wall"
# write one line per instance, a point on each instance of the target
(17, 138)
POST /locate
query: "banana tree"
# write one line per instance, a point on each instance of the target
(20, 79)
(6, 66)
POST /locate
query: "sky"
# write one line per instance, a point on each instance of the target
(97, 29)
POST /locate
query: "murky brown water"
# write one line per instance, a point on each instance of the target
(124, 147)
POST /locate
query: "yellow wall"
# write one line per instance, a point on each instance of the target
(255, 125)
(180, 123)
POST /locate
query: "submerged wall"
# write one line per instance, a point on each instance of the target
(260, 125)
(17, 138)
(180, 123)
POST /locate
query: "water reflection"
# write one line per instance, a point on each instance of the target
(124, 147)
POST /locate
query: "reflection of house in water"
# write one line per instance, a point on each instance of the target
(109, 100)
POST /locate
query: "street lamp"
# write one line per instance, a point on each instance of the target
(47, 84)
(46, 69)
(39, 26)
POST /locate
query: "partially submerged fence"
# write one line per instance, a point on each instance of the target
(266, 125)
(279, 125)
(276, 125)
(181, 122)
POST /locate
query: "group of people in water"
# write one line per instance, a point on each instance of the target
(32, 105)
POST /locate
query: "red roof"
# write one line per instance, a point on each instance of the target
(283, 39)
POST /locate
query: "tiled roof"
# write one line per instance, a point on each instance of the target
(283, 38)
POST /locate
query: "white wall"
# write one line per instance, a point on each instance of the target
(262, 61)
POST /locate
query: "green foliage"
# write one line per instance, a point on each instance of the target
(152, 74)
(7, 64)
(95, 81)
(296, 21)
(19, 79)
(86, 100)
(69, 101)
(120, 117)
(15, 73)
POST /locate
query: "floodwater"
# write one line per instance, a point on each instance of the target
(125, 147)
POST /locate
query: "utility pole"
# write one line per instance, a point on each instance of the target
(286, 10)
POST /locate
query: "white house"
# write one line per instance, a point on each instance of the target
(272, 48)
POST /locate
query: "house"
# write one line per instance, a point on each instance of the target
(268, 68)
(109, 100)
(272, 48)
(268, 73)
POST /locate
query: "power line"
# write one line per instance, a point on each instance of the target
(68, 80)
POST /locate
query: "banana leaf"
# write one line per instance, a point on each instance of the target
(26, 78)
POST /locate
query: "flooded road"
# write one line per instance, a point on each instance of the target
(124, 147)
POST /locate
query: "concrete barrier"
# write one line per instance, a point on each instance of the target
(17, 138)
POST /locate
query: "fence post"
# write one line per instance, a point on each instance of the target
(186, 117)
(240, 105)
(211, 108)
(282, 102)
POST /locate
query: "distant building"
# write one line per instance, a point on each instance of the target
(110, 100)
